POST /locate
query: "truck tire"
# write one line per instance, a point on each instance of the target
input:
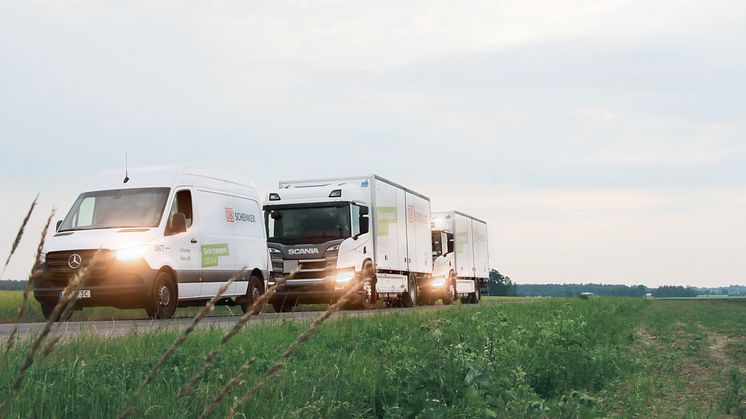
(475, 296)
(410, 297)
(253, 292)
(162, 301)
(450, 295)
(48, 308)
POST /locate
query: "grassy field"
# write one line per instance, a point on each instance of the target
(550, 358)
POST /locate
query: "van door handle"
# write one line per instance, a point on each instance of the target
(194, 241)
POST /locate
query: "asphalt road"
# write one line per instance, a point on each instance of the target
(121, 327)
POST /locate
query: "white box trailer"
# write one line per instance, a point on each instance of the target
(341, 230)
(460, 257)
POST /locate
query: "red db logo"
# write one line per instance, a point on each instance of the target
(229, 217)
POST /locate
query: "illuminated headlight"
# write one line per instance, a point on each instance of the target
(42, 257)
(345, 275)
(438, 281)
(132, 253)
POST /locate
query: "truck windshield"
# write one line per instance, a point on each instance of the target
(117, 209)
(309, 225)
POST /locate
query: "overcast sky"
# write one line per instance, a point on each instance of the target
(603, 141)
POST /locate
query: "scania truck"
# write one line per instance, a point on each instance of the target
(334, 233)
(460, 258)
(164, 237)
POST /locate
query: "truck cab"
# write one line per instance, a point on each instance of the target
(321, 232)
(333, 233)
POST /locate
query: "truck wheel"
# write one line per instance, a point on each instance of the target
(253, 292)
(48, 308)
(450, 294)
(410, 298)
(475, 296)
(162, 302)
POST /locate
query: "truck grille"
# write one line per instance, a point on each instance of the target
(310, 268)
(59, 271)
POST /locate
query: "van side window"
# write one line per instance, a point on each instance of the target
(183, 204)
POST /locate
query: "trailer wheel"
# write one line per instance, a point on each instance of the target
(253, 292)
(450, 294)
(162, 302)
(48, 308)
(410, 297)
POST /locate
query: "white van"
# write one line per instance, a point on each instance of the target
(168, 237)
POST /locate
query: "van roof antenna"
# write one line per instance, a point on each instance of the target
(126, 173)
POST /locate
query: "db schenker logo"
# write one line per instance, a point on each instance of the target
(231, 216)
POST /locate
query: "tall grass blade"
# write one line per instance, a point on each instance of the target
(277, 367)
(128, 409)
(29, 283)
(188, 387)
(69, 297)
(19, 235)
(224, 391)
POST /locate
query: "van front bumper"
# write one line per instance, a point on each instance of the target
(113, 283)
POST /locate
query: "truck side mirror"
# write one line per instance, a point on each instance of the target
(176, 224)
(276, 215)
(364, 224)
(59, 223)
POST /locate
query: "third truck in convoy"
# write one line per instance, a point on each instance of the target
(335, 232)
(460, 258)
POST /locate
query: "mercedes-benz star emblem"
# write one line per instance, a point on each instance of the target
(74, 261)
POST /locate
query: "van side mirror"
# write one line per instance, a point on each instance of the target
(59, 223)
(176, 224)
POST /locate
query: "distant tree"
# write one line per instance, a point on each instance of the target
(12, 285)
(500, 284)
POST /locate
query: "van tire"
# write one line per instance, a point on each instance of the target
(284, 306)
(253, 292)
(162, 300)
(410, 297)
(48, 308)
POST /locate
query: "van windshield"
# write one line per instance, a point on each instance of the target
(308, 225)
(117, 208)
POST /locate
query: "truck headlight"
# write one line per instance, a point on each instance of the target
(345, 275)
(42, 257)
(132, 253)
(438, 281)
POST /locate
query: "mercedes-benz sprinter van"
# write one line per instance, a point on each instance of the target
(166, 237)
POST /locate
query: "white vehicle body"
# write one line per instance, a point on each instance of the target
(136, 227)
(460, 250)
(332, 228)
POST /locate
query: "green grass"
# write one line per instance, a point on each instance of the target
(550, 358)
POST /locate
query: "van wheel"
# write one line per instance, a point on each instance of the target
(284, 306)
(410, 297)
(253, 292)
(162, 302)
(48, 308)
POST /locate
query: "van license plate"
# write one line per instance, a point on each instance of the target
(81, 294)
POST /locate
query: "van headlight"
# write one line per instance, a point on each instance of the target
(344, 275)
(438, 281)
(42, 257)
(132, 253)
